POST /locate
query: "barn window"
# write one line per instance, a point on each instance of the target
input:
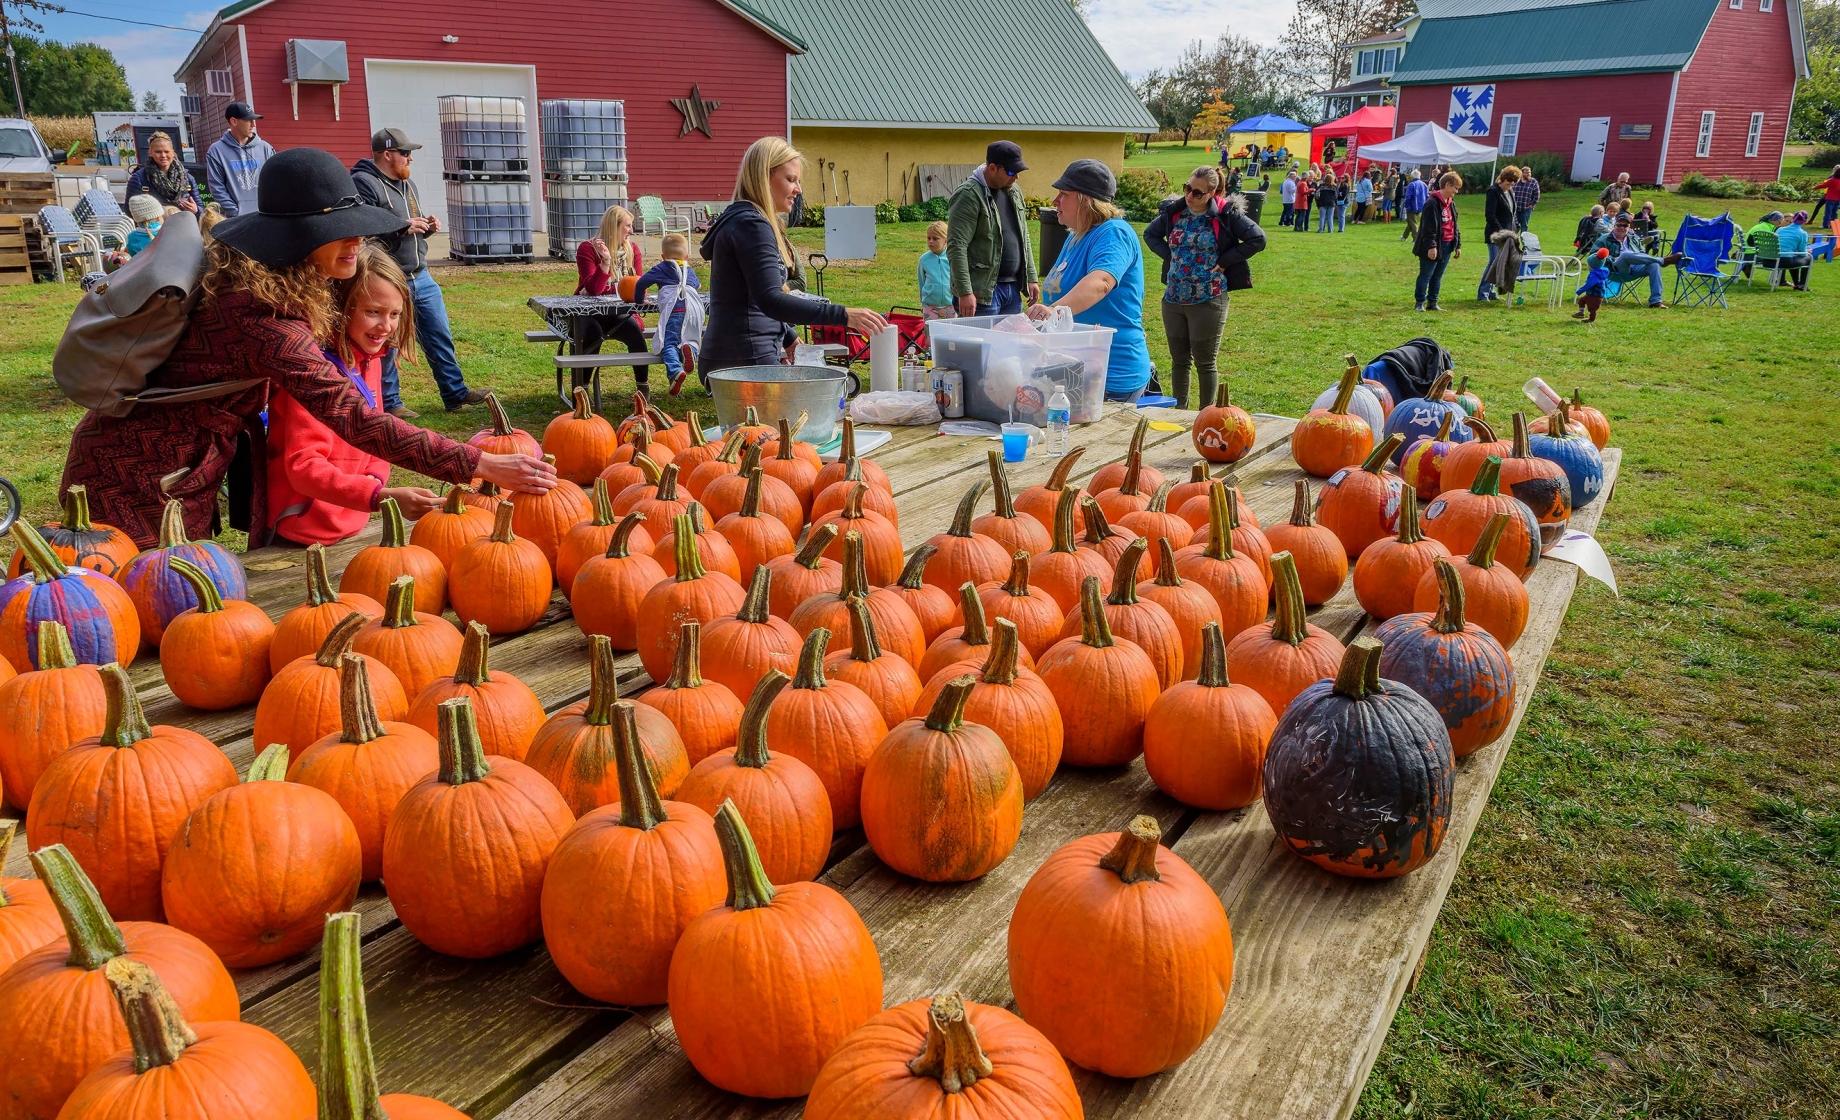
(217, 84)
(1766, 5)
(1704, 147)
(1754, 138)
(1737, 5)
(1510, 133)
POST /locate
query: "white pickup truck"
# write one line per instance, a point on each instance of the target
(22, 151)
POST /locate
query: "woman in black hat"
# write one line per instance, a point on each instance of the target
(1099, 275)
(265, 310)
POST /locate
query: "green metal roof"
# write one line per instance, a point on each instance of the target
(1028, 65)
(1469, 40)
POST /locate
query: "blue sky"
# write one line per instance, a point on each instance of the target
(1139, 34)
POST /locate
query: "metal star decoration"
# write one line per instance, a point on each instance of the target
(696, 109)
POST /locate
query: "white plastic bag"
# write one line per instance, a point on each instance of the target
(895, 408)
(1015, 324)
(1060, 322)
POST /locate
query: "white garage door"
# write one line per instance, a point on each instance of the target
(402, 95)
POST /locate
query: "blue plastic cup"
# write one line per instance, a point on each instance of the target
(1015, 442)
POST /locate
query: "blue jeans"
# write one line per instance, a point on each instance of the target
(1484, 289)
(1430, 275)
(1005, 299)
(436, 339)
(1284, 219)
(1325, 217)
(1829, 211)
(1341, 217)
(1631, 265)
(1301, 219)
(1127, 398)
(1522, 217)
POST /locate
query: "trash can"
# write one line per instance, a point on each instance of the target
(1052, 236)
(1255, 203)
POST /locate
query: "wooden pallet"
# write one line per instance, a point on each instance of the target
(15, 249)
(24, 194)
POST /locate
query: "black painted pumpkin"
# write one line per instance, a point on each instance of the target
(1453, 663)
(1358, 776)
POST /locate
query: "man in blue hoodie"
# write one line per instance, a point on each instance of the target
(232, 164)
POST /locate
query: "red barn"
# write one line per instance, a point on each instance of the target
(1657, 88)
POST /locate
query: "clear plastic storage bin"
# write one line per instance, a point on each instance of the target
(1012, 375)
(582, 137)
(575, 211)
(489, 219)
(488, 135)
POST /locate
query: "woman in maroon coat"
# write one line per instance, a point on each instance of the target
(266, 309)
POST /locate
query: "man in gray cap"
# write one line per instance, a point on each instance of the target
(232, 165)
(383, 180)
(987, 237)
(1628, 261)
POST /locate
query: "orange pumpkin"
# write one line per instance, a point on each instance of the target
(895, 621)
(661, 503)
(752, 430)
(1130, 495)
(1187, 602)
(368, 764)
(634, 475)
(1205, 739)
(1037, 616)
(453, 526)
(881, 540)
(691, 593)
(1360, 505)
(1016, 532)
(45, 712)
(674, 434)
(1457, 518)
(967, 642)
(301, 705)
(739, 648)
(419, 647)
(610, 588)
(1114, 922)
(1155, 523)
(1223, 432)
(577, 748)
(795, 464)
(1144, 622)
(590, 538)
(1043, 501)
(1329, 439)
(215, 655)
(502, 580)
(627, 879)
(1111, 476)
(1194, 509)
(801, 1004)
(372, 570)
(1106, 542)
(257, 867)
(544, 519)
(806, 573)
(1593, 421)
(1540, 484)
(1453, 663)
(1387, 574)
(1465, 459)
(117, 801)
(301, 630)
(718, 555)
(581, 442)
(499, 437)
(705, 712)
(696, 447)
(725, 462)
(1065, 565)
(963, 555)
(506, 713)
(786, 806)
(1104, 687)
(1012, 701)
(751, 535)
(832, 497)
(1200, 481)
(724, 495)
(1494, 597)
(28, 918)
(829, 725)
(1321, 559)
(1233, 579)
(935, 609)
(888, 680)
(82, 543)
(1294, 653)
(847, 461)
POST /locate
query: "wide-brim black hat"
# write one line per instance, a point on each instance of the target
(304, 199)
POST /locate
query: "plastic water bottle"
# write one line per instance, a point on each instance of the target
(1541, 394)
(1060, 421)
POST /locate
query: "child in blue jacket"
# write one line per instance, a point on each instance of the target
(680, 309)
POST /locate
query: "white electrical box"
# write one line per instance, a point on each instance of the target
(849, 233)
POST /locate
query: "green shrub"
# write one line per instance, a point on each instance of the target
(1131, 147)
(813, 215)
(1780, 191)
(886, 212)
(913, 212)
(1823, 158)
(1140, 191)
(1708, 187)
(935, 209)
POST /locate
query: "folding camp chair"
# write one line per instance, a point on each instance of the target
(95, 205)
(1700, 279)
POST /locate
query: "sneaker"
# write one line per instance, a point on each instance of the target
(473, 396)
(1579, 314)
(1657, 303)
(1432, 307)
(677, 382)
(1418, 307)
(402, 412)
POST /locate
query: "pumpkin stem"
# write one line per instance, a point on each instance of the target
(1438, 386)
(1300, 505)
(209, 600)
(687, 667)
(640, 805)
(501, 522)
(1483, 555)
(695, 423)
(76, 510)
(648, 468)
(1521, 448)
(1095, 628)
(1063, 521)
(54, 651)
(811, 660)
(976, 631)
(853, 501)
(750, 458)
(44, 563)
(667, 483)
(319, 582)
(1133, 473)
(1410, 532)
(1463, 385)
(750, 498)
(157, 1030)
(395, 529)
(1359, 674)
(694, 511)
(1221, 397)
(270, 766)
(1220, 522)
(1001, 663)
(1291, 623)
(1135, 449)
(731, 447)
(582, 409)
(1213, 657)
(1002, 500)
(748, 885)
(126, 723)
(846, 450)
(94, 937)
(855, 567)
(1344, 389)
(1559, 425)
(337, 642)
(172, 525)
(347, 1068)
(399, 607)
(1133, 858)
(785, 441)
(751, 739)
(1166, 575)
(1097, 527)
(602, 500)
(864, 645)
(759, 594)
(685, 548)
(951, 1054)
(816, 541)
(501, 420)
(948, 712)
(463, 756)
(967, 506)
(1200, 472)
(603, 681)
(1159, 501)
(1057, 478)
(620, 547)
(1375, 463)
(1484, 433)
(8, 829)
(913, 573)
(358, 719)
(475, 667)
(1449, 616)
(1017, 585)
(1488, 479)
(1443, 432)
(1124, 575)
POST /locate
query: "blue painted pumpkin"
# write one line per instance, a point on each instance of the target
(159, 593)
(1576, 455)
(1358, 774)
(1456, 665)
(94, 610)
(1417, 418)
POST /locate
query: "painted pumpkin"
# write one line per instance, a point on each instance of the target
(1423, 417)
(82, 543)
(1370, 400)
(1457, 518)
(1574, 454)
(1539, 483)
(1422, 463)
(159, 594)
(97, 615)
(1453, 663)
(1223, 432)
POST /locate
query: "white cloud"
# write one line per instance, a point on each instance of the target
(1144, 35)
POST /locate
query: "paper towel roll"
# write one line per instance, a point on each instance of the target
(885, 361)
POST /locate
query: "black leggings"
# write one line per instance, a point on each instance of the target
(591, 330)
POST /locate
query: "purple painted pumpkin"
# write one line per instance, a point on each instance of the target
(1422, 417)
(81, 542)
(159, 593)
(1455, 664)
(1422, 465)
(94, 610)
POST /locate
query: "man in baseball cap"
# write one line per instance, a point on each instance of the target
(383, 180)
(987, 237)
(233, 164)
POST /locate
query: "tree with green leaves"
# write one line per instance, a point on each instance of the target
(65, 79)
(152, 102)
(1314, 42)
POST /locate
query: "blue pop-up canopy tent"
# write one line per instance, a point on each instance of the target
(1269, 122)
(1274, 130)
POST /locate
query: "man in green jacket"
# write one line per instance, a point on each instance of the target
(987, 238)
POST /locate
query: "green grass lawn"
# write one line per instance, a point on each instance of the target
(1647, 923)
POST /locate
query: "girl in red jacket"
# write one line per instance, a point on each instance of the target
(321, 489)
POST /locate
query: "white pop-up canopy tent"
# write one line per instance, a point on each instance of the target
(1428, 143)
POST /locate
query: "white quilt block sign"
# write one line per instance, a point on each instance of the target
(1471, 109)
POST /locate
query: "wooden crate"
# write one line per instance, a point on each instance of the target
(15, 251)
(24, 194)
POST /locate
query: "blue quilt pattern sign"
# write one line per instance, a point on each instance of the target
(1471, 109)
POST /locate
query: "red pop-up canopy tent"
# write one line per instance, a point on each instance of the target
(1367, 125)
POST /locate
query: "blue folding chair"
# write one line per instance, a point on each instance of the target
(1704, 245)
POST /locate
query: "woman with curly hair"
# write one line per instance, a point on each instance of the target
(265, 312)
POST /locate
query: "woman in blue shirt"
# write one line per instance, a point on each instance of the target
(1099, 275)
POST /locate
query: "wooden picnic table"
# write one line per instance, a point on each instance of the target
(1322, 962)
